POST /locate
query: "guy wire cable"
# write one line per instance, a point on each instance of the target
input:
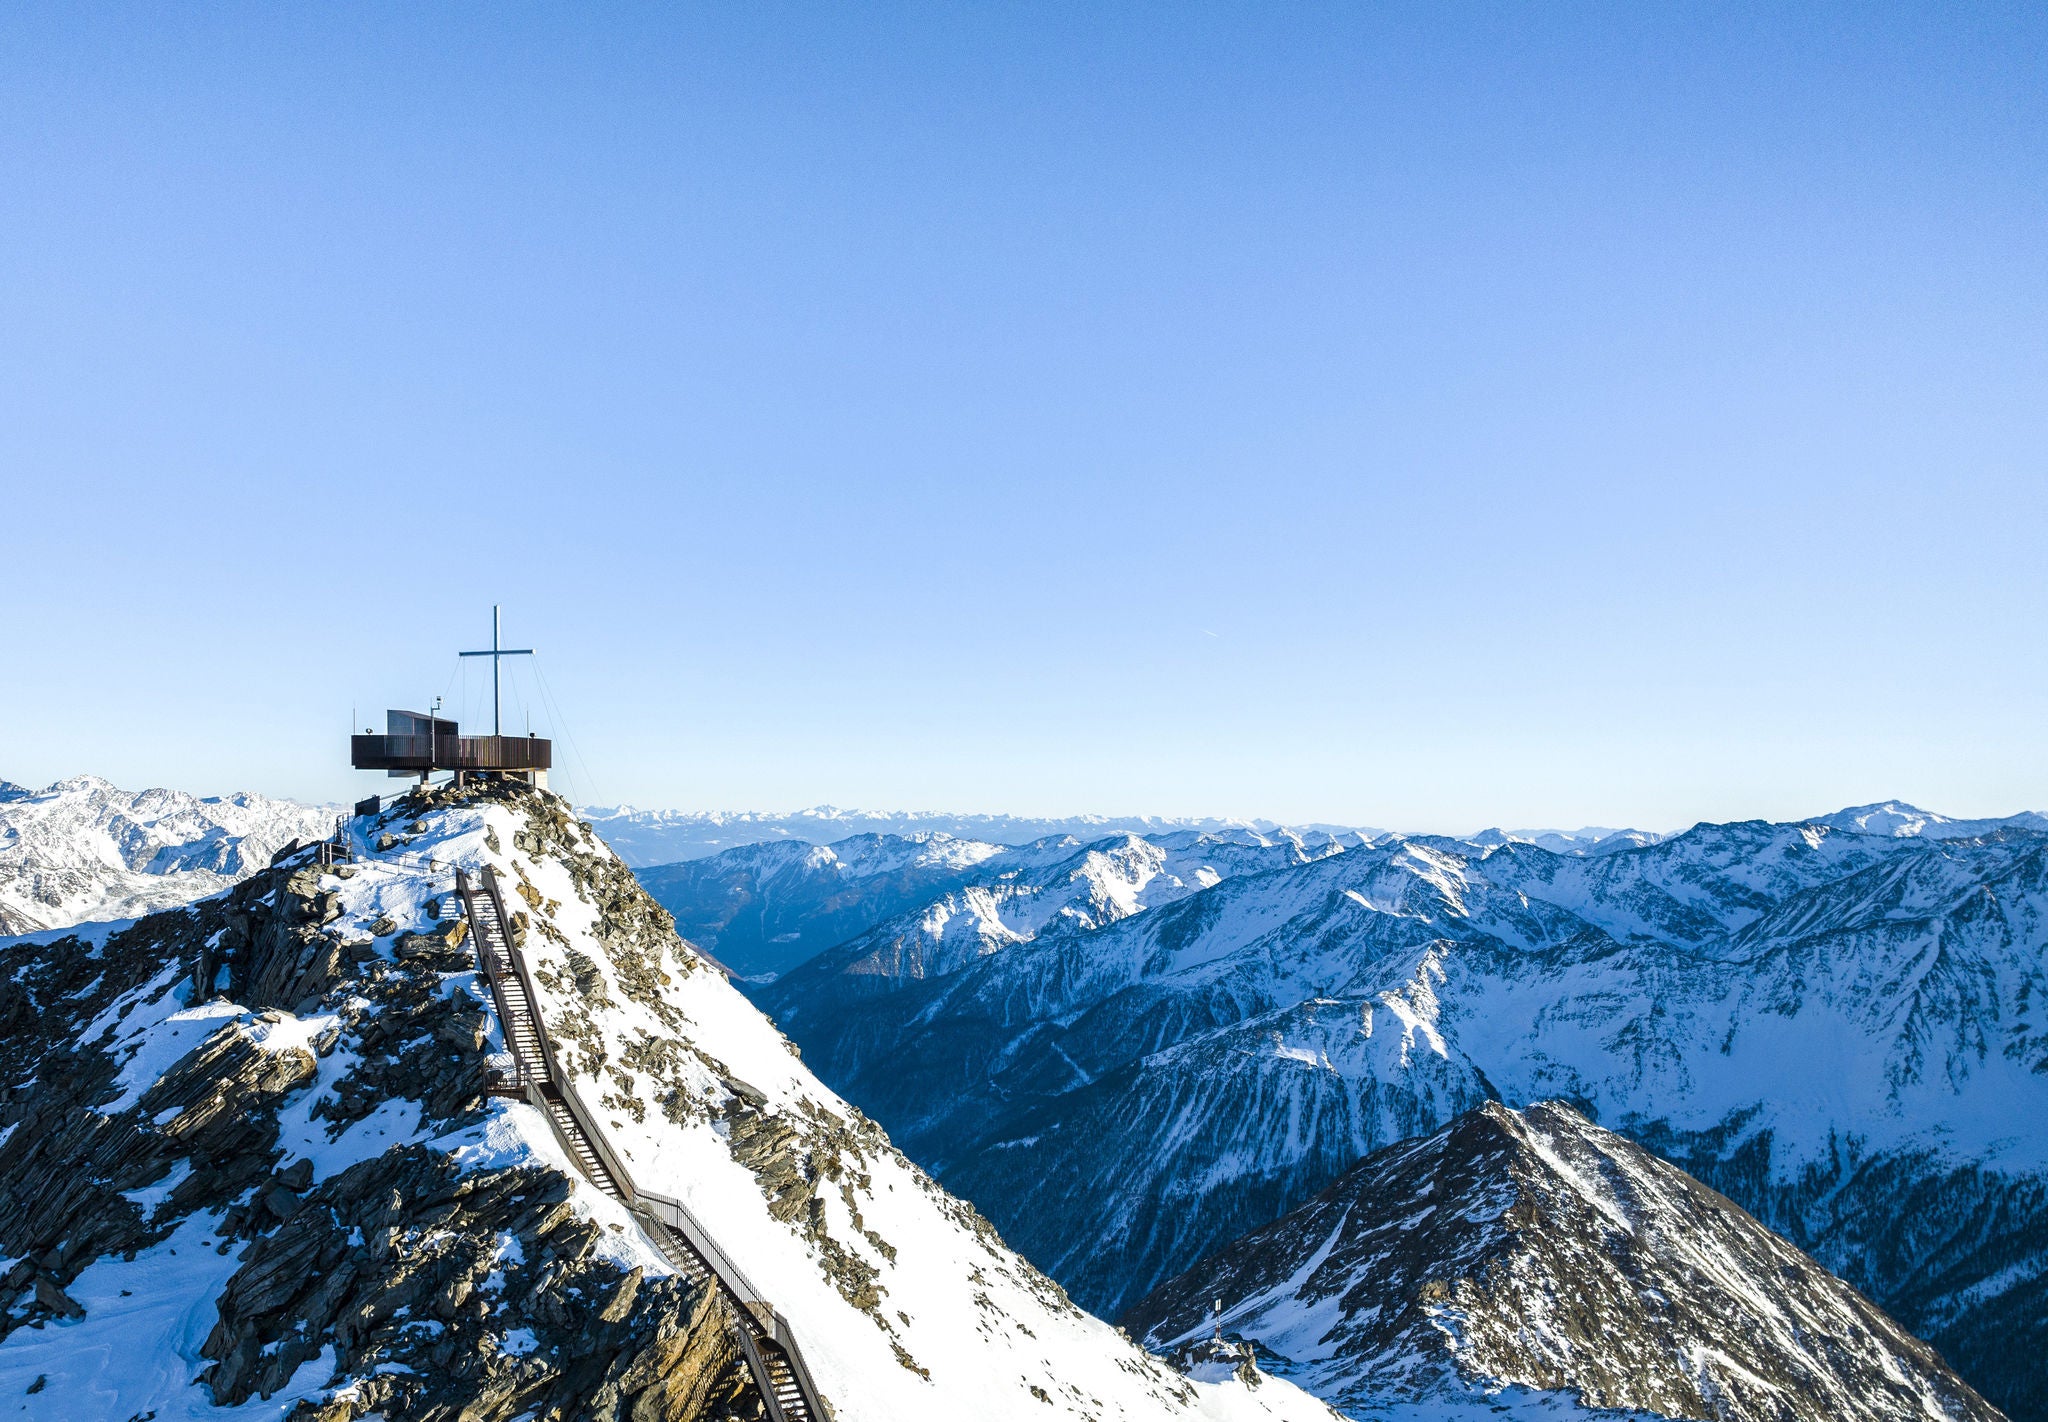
(590, 795)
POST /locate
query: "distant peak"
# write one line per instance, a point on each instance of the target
(81, 784)
(1895, 819)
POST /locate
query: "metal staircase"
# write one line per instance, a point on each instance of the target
(765, 1341)
(336, 848)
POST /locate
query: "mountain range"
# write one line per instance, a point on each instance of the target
(652, 837)
(84, 850)
(1130, 1052)
(649, 837)
(769, 907)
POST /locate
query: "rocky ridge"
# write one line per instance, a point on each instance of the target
(1530, 1250)
(246, 1145)
(308, 1153)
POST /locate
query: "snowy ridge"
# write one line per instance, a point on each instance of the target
(1898, 819)
(82, 850)
(905, 1303)
(1058, 886)
(1533, 1251)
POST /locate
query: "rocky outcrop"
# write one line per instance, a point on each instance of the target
(1533, 1249)
(65, 1168)
(251, 1158)
(406, 1268)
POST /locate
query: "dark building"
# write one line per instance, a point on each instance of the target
(417, 744)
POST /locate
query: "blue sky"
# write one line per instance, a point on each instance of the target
(1422, 416)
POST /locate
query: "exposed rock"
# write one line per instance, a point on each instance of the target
(429, 1290)
(1534, 1249)
(55, 1299)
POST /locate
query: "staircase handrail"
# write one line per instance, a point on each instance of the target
(516, 961)
(677, 1216)
(466, 889)
(564, 1091)
(763, 1374)
(669, 1210)
(664, 1208)
(800, 1370)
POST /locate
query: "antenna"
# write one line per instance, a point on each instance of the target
(495, 654)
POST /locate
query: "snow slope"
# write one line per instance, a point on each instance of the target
(82, 850)
(904, 1301)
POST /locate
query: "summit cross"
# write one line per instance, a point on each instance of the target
(495, 654)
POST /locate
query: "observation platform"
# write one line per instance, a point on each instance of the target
(415, 744)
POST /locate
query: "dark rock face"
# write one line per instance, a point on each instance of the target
(402, 1260)
(1534, 1249)
(64, 1165)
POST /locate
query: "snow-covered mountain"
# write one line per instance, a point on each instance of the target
(765, 908)
(248, 1144)
(1591, 840)
(1839, 1025)
(649, 837)
(84, 851)
(1513, 1254)
(1895, 817)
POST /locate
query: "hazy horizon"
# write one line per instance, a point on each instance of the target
(957, 812)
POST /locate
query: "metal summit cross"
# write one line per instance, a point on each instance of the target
(494, 654)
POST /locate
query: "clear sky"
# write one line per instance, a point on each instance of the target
(1425, 416)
